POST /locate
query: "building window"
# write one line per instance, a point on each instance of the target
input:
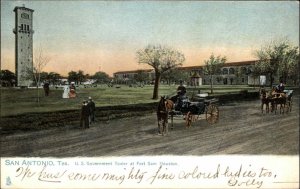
(231, 81)
(231, 71)
(27, 27)
(225, 81)
(244, 70)
(243, 80)
(225, 71)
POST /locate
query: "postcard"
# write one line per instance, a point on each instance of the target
(149, 94)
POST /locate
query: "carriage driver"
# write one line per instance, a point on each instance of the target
(181, 90)
(280, 87)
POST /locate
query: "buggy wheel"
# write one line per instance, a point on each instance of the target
(212, 114)
(290, 104)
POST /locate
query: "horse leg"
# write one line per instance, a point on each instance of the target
(167, 125)
(267, 107)
(159, 124)
(262, 107)
(172, 126)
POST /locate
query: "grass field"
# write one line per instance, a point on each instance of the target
(17, 101)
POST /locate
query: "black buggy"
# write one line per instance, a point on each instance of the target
(191, 110)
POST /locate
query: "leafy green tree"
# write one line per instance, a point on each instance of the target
(44, 76)
(54, 77)
(175, 75)
(141, 76)
(213, 66)
(289, 64)
(161, 59)
(277, 57)
(80, 76)
(101, 77)
(8, 76)
(72, 76)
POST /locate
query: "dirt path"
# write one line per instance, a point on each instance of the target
(242, 129)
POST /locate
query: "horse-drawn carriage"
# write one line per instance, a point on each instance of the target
(189, 110)
(274, 98)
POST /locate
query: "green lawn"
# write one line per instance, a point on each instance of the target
(16, 101)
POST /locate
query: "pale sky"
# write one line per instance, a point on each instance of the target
(105, 35)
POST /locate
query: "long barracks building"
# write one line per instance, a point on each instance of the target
(233, 73)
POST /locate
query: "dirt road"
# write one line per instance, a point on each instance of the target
(242, 129)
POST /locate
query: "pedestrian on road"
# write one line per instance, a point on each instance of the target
(46, 88)
(92, 107)
(85, 113)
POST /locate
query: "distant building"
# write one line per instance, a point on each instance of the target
(232, 73)
(23, 44)
(124, 76)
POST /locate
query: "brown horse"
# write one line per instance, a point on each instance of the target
(278, 99)
(163, 109)
(265, 100)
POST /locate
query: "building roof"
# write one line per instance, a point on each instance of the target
(242, 63)
(133, 71)
(23, 8)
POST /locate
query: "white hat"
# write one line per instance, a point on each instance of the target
(90, 98)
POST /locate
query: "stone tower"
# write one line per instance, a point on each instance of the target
(23, 51)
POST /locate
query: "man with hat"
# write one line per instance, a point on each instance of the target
(85, 113)
(92, 107)
(181, 90)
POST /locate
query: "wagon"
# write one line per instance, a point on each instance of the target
(191, 110)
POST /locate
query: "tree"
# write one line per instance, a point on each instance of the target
(289, 64)
(161, 59)
(175, 75)
(39, 62)
(54, 77)
(277, 57)
(141, 76)
(101, 77)
(72, 76)
(80, 76)
(44, 76)
(213, 67)
(8, 76)
(255, 72)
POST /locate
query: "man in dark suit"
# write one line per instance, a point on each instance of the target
(85, 113)
(92, 107)
(46, 88)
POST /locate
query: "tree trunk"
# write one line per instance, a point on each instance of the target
(156, 85)
(271, 80)
(211, 84)
(38, 93)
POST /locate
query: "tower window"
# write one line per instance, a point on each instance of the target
(21, 27)
(27, 27)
